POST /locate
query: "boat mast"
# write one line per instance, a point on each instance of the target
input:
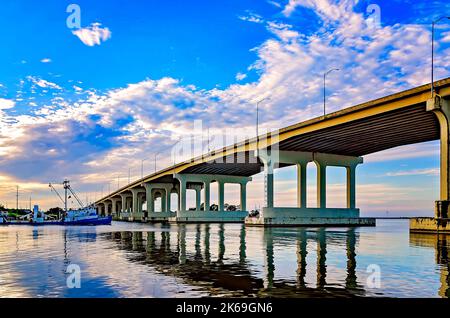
(66, 187)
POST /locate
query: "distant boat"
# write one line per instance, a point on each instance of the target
(83, 216)
(3, 218)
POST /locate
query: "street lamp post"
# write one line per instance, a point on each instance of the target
(325, 87)
(174, 150)
(142, 167)
(433, 24)
(156, 155)
(257, 123)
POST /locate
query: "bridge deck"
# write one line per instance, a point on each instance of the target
(388, 122)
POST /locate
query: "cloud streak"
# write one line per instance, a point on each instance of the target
(93, 35)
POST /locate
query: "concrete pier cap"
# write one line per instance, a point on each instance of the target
(198, 182)
(303, 215)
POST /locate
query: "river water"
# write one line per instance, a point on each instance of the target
(142, 260)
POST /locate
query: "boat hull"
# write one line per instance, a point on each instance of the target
(99, 221)
(87, 222)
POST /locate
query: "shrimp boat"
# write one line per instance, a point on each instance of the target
(85, 215)
(3, 218)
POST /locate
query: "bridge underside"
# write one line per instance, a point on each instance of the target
(337, 139)
(356, 138)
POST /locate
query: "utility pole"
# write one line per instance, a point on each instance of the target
(257, 123)
(66, 187)
(324, 88)
(17, 198)
(142, 168)
(209, 149)
(433, 24)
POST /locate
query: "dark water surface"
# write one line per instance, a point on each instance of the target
(141, 260)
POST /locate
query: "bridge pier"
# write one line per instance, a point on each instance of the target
(136, 212)
(302, 215)
(165, 190)
(114, 209)
(206, 215)
(100, 208)
(107, 209)
(441, 221)
(125, 208)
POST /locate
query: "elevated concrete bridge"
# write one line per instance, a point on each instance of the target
(337, 139)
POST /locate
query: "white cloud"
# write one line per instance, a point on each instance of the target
(93, 34)
(415, 172)
(422, 150)
(274, 3)
(43, 83)
(251, 17)
(446, 37)
(46, 60)
(240, 76)
(290, 7)
(6, 103)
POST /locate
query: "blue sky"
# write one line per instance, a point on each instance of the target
(89, 103)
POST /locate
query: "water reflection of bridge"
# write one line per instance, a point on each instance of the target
(236, 277)
(441, 245)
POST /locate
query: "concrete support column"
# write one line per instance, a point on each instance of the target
(168, 194)
(182, 198)
(321, 185)
(441, 108)
(150, 198)
(113, 207)
(301, 185)
(243, 200)
(134, 203)
(106, 208)
(351, 187)
(129, 201)
(221, 195)
(163, 200)
(207, 195)
(268, 184)
(198, 198)
(124, 203)
(140, 201)
(114, 210)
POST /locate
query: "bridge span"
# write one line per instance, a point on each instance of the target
(339, 139)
